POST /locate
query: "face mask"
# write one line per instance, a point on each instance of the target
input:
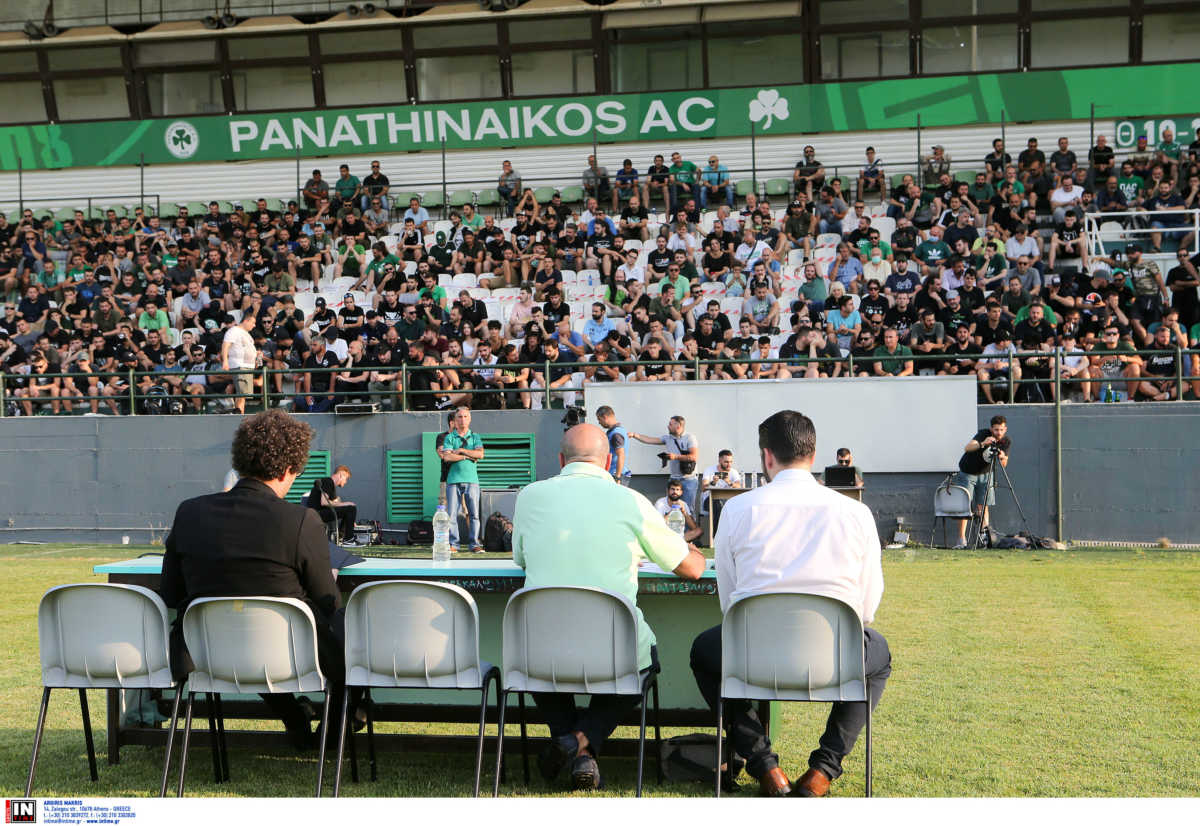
(875, 259)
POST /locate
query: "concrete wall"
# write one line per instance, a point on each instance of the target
(1127, 469)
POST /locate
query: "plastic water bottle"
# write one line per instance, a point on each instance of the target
(441, 536)
(675, 520)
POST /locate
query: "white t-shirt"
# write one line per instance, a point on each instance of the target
(241, 348)
(664, 507)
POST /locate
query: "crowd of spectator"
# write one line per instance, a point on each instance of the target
(343, 294)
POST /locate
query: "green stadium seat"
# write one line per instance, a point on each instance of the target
(400, 200)
(544, 193)
(778, 186)
(459, 197)
(487, 197)
(276, 204)
(64, 214)
(846, 185)
(572, 194)
(967, 175)
(897, 178)
(432, 198)
(744, 188)
(196, 208)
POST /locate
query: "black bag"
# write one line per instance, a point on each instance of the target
(497, 534)
(690, 757)
(420, 532)
(687, 467)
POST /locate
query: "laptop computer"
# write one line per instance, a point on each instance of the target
(841, 476)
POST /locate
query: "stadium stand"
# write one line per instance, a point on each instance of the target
(1037, 282)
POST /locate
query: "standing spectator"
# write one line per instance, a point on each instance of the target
(509, 187)
(658, 180)
(715, 183)
(1063, 161)
(463, 449)
(239, 353)
(596, 183)
(681, 456)
(1100, 162)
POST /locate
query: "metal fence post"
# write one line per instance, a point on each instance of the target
(850, 363)
(142, 179)
(266, 390)
(445, 206)
(1058, 452)
(20, 184)
(1012, 393)
(546, 382)
(920, 179)
(404, 386)
(132, 395)
(753, 159)
(299, 186)
(3, 403)
(1178, 373)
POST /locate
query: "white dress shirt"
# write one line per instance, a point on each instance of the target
(795, 535)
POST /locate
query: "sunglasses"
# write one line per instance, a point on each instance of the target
(844, 462)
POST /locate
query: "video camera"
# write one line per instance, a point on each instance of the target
(573, 416)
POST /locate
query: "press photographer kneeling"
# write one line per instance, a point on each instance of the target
(975, 471)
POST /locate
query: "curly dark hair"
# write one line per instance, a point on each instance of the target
(268, 445)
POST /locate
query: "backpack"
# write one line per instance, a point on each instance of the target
(497, 534)
(420, 532)
(690, 757)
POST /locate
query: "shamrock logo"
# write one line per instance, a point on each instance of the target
(181, 139)
(769, 105)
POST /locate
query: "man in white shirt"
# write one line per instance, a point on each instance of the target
(721, 475)
(794, 535)
(239, 353)
(750, 250)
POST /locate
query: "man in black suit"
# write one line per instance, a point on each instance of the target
(249, 541)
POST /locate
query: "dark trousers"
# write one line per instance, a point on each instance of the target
(597, 721)
(746, 733)
(345, 514)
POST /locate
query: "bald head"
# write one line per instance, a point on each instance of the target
(584, 443)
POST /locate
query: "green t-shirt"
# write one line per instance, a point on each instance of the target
(1131, 187)
(1171, 149)
(50, 280)
(464, 472)
(475, 222)
(376, 266)
(79, 274)
(816, 289)
(438, 293)
(892, 362)
(981, 194)
(346, 187)
(684, 172)
(351, 265)
(931, 252)
(864, 246)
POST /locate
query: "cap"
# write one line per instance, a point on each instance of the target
(938, 146)
(320, 302)
(172, 243)
(951, 294)
(1132, 248)
(348, 295)
(441, 237)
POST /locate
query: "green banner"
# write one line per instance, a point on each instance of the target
(1152, 129)
(723, 113)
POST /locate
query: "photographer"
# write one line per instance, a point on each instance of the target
(681, 456)
(975, 470)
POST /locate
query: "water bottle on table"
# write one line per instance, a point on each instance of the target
(675, 520)
(441, 536)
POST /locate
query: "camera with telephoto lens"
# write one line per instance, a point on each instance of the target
(574, 415)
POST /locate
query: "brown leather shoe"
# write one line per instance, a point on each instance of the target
(814, 783)
(774, 784)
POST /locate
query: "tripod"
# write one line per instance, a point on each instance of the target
(995, 464)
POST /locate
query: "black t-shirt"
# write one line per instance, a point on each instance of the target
(1161, 362)
(708, 344)
(659, 259)
(352, 315)
(1043, 332)
(654, 369)
(962, 358)
(988, 336)
(901, 320)
(873, 304)
(1066, 233)
(973, 461)
(554, 314)
(640, 215)
(321, 381)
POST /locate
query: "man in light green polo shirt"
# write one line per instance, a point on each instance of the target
(580, 528)
(462, 450)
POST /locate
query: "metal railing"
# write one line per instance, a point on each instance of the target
(126, 392)
(1136, 226)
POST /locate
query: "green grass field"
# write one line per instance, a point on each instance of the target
(1015, 673)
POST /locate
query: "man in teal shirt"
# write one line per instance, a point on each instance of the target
(461, 450)
(580, 528)
(347, 188)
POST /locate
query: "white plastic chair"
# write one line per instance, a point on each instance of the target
(100, 635)
(598, 656)
(950, 501)
(251, 645)
(805, 648)
(828, 239)
(413, 634)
